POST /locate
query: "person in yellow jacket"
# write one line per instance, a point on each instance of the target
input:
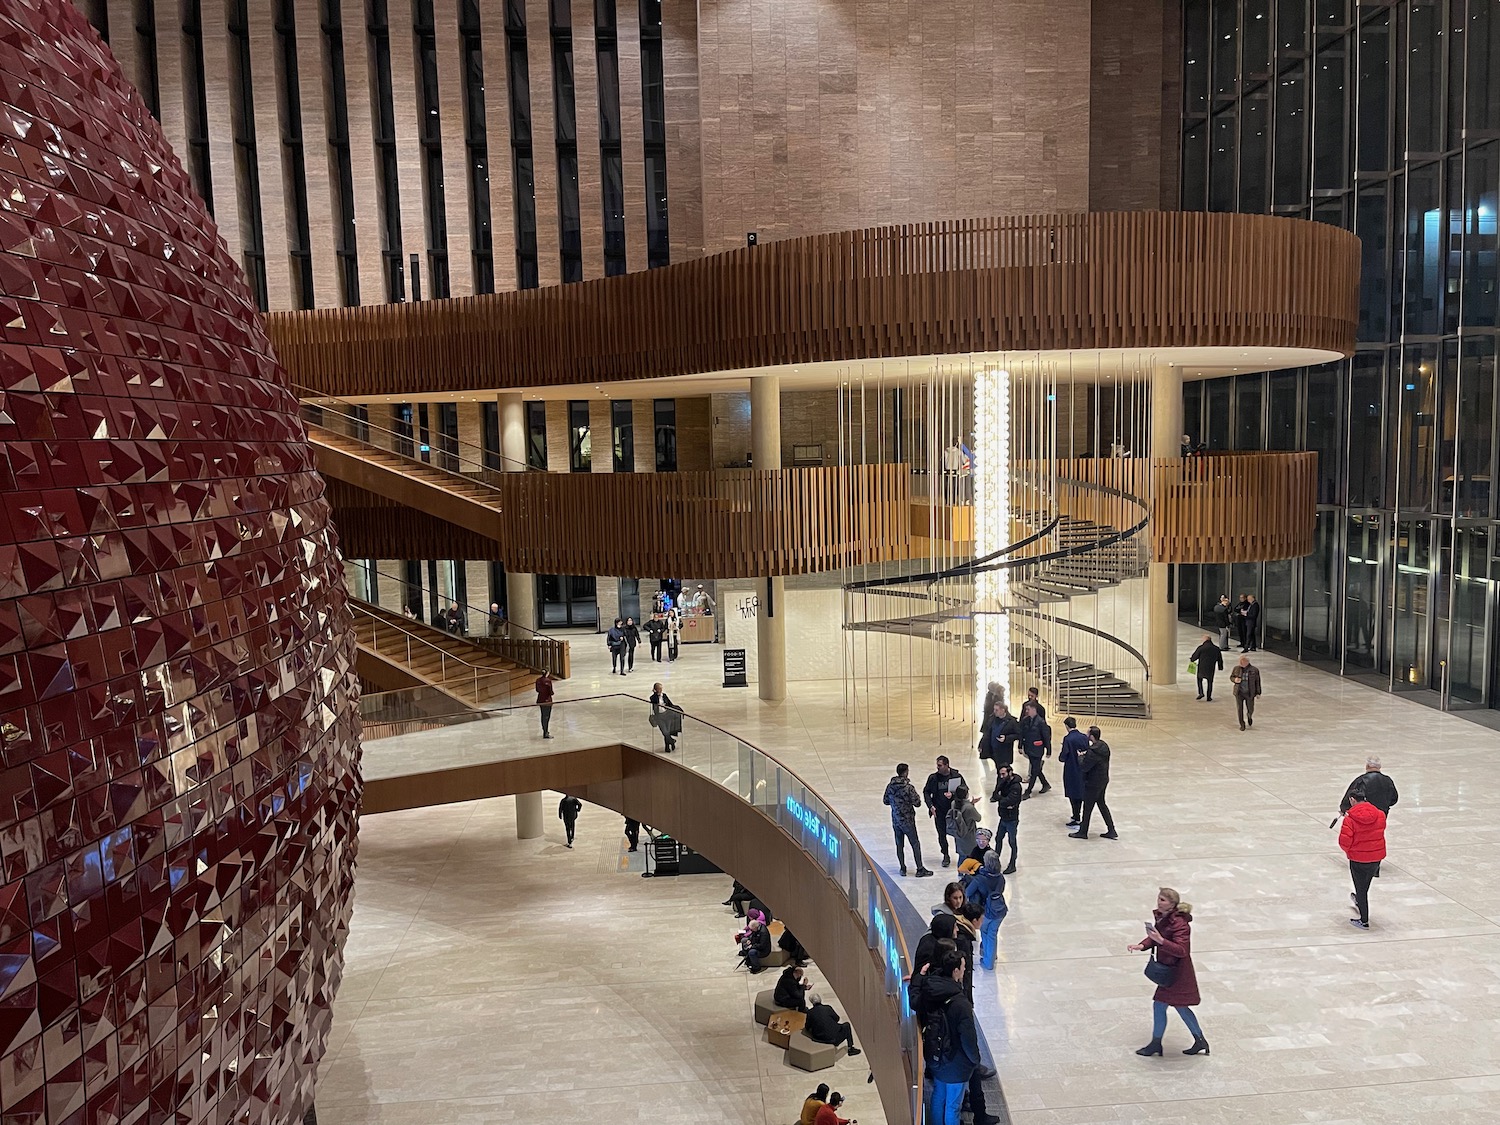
(815, 1101)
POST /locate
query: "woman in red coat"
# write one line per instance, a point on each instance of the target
(1362, 837)
(1172, 938)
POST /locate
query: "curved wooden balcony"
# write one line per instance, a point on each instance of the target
(1147, 279)
(738, 523)
(1233, 507)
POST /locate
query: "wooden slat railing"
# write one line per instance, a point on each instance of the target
(1017, 283)
(1234, 507)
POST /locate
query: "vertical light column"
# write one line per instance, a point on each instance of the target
(520, 589)
(770, 617)
(991, 473)
(1161, 609)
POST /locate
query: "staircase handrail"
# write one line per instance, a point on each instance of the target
(1041, 615)
(958, 571)
(476, 672)
(467, 607)
(309, 399)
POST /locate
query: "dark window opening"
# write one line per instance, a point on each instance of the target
(580, 440)
(388, 185)
(622, 434)
(612, 166)
(145, 39)
(476, 146)
(489, 429)
(654, 112)
(564, 101)
(195, 107)
(341, 166)
(293, 155)
(523, 171)
(665, 411)
(536, 435)
(430, 136)
(246, 161)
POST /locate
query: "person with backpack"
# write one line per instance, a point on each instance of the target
(963, 822)
(950, 1039)
(902, 798)
(987, 891)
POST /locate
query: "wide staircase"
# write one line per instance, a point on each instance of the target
(463, 669)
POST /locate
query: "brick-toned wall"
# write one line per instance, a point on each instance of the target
(602, 434)
(820, 115)
(557, 436)
(1133, 90)
(731, 429)
(643, 414)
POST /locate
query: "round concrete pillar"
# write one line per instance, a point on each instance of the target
(528, 816)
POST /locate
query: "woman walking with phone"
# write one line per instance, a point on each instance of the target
(1169, 937)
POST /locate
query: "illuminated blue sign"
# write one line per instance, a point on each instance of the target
(887, 941)
(813, 823)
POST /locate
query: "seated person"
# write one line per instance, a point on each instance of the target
(815, 1101)
(756, 905)
(788, 941)
(738, 896)
(791, 989)
(829, 1114)
(823, 1026)
(756, 947)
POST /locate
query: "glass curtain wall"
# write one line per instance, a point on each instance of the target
(1384, 119)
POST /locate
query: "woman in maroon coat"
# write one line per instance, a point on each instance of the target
(1172, 938)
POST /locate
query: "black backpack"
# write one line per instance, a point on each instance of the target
(937, 1038)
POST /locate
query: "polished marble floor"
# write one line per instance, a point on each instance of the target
(1310, 1019)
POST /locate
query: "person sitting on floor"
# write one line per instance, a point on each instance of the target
(828, 1114)
(815, 1101)
(791, 989)
(756, 947)
(823, 1026)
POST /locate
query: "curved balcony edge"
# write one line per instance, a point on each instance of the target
(738, 836)
(1233, 507)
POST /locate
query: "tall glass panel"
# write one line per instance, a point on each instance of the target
(1473, 593)
(1373, 140)
(1221, 167)
(1471, 484)
(1255, 155)
(1324, 432)
(1192, 411)
(1291, 25)
(1371, 226)
(1276, 608)
(1362, 597)
(1482, 74)
(1418, 436)
(1289, 181)
(1195, 46)
(1480, 206)
(1446, 428)
(1195, 167)
(1255, 38)
(1330, 124)
(1320, 589)
(1424, 65)
(1410, 607)
(1218, 415)
(1281, 415)
(1226, 46)
(1424, 249)
(1248, 428)
(1366, 428)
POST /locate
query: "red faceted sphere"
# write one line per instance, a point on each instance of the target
(178, 719)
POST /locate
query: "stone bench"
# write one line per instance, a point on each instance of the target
(766, 1006)
(808, 1054)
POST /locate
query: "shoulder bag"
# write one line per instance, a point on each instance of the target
(1159, 973)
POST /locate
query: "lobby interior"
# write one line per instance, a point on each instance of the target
(366, 362)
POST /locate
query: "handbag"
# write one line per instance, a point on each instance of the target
(1192, 667)
(1158, 973)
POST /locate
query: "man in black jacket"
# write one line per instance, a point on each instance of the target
(1095, 764)
(1209, 660)
(1379, 789)
(791, 989)
(656, 629)
(1252, 623)
(756, 946)
(1007, 796)
(953, 1069)
(997, 739)
(938, 794)
(1240, 620)
(567, 811)
(823, 1026)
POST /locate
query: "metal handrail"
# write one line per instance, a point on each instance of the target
(309, 399)
(444, 656)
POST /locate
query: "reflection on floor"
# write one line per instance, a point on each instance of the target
(497, 981)
(1310, 1020)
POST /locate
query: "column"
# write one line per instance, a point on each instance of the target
(520, 589)
(1161, 611)
(528, 816)
(770, 618)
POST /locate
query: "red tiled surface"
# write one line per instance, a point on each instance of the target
(178, 731)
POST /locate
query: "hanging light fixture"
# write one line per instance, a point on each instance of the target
(991, 475)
